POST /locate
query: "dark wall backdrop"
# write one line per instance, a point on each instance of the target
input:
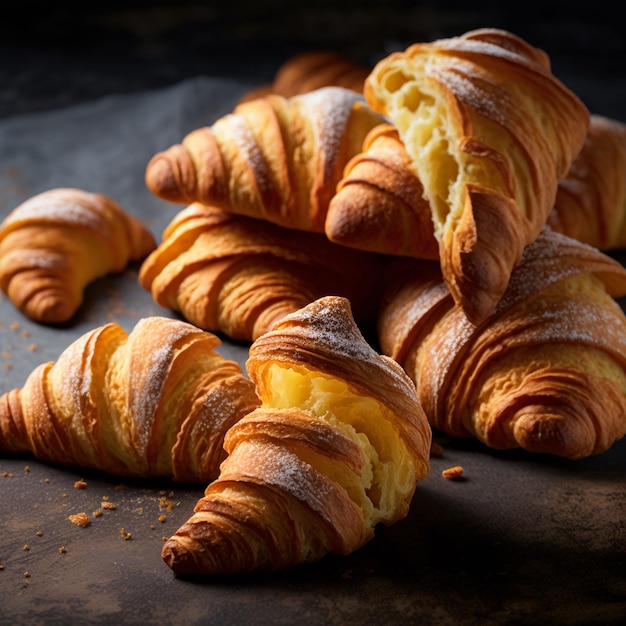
(61, 53)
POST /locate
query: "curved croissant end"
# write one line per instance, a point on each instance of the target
(57, 242)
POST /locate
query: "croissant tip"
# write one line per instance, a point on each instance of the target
(542, 430)
(50, 308)
(161, 179)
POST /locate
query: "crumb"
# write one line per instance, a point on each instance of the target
(164, 538)
(25, 333)
(140, 510)
(27, 469)
(7, 475)
(46, 480)
(1, 566)
(62, 550)
(80, 484)
(120, 487)
(80, 519)
(64, 495)
(15, 326)
(164, 503)
(125, 534)
(33, 347)
(453, 473)
(105, 497)
(8, 366)
(152, 526)
(108, 505)
(26, 574)
(162, 518)
(5, 354)
(39, 533)
(26, 548)
(97, 513)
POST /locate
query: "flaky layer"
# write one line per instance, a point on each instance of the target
(545, 372)
(337, 446)
(490, 131)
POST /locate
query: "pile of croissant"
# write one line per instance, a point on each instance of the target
(457, 201)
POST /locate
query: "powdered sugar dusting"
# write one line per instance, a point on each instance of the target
(53, 207)
(289, 473)
(243, 136)
(330, 108)
(147, 379)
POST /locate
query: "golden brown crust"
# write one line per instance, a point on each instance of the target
(237, 275)
(545, 372)
(379, 204)
(155, 402)
(590, 202)
(337, 446)
(491, 131)
(274, 158)
(57, 242)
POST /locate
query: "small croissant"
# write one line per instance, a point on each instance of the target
(155, 402)
(337, 446)
(546, 372)
(55, 243)
(274, 158)
(490, 131)
(238, 275)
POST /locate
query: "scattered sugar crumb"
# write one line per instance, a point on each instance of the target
(80, 484)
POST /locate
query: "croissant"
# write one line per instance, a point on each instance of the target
(546, 372)
(337, 446)
(379, 204)
(55, 243)
(238, 275)
(311, 70)
(590, 201)
(491, 131)
(153, 403)
(274, 158)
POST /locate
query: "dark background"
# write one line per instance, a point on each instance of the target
(63, 53)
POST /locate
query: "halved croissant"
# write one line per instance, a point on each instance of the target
(337, 446)
(238, 275)
(311, 70)
(546, 372)
(274, 158)
(55, 243)
(491, 131)
(155, 402)
(379, 204)
(590, 201)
